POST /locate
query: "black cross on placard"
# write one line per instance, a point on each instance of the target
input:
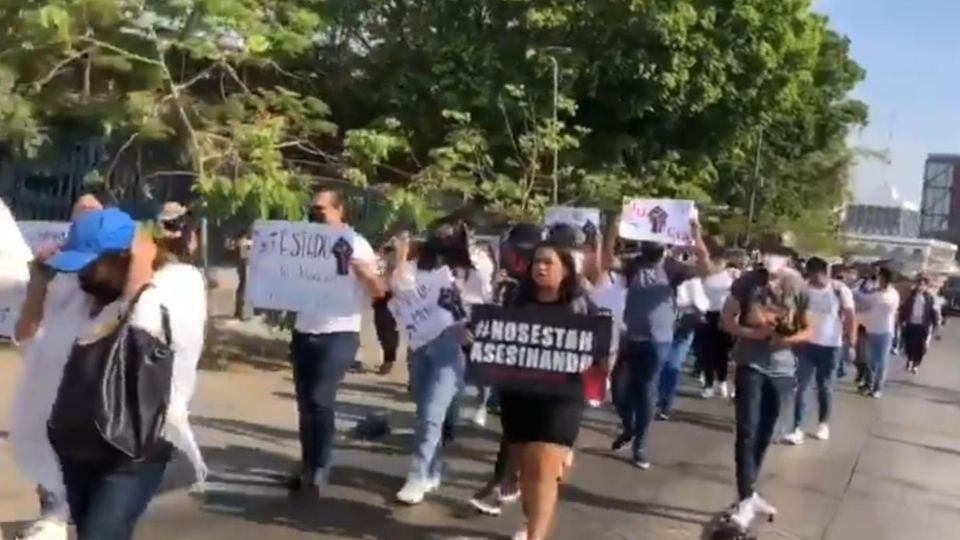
(343, 252)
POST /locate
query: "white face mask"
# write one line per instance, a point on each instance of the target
(774, 263)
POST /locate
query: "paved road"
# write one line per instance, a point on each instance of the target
(892, 470)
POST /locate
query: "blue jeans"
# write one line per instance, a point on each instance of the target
(819, 361)
(645, 361)
(320, 362)
(878, 356)
(436, 378)
(105, 500)
(670, 376)
(757, 406)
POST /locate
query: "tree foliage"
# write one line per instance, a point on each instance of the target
(443, 103)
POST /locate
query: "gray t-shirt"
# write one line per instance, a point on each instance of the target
(650, 313)
(758, 299)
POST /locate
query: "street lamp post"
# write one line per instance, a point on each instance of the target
(555, 64)
(556, 120)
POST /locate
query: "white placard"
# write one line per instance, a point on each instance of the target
(666, 221)
(301, 267)
(429, 308)
(43, 234)
(578, 217)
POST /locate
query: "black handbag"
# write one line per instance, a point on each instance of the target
(113, 398)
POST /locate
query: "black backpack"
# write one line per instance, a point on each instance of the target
(113, 398)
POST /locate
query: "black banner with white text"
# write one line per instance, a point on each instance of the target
(534, 349)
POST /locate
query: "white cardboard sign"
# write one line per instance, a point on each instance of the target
(43, 234)
(301, 267)
(579, 217)
(666, 221)
(426, 310)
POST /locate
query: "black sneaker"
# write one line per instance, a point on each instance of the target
(487, 504)
(622, 440)
(385, 368)
(661, 416)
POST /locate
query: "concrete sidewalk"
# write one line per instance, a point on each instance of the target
(890, 472)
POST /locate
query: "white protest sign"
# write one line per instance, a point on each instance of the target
(427, 308)
(579, 217)
(666, 221)
(301, 267)
(43, 234)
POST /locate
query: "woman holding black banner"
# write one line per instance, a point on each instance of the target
(542, 428)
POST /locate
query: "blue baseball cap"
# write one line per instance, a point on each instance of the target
(92, 234)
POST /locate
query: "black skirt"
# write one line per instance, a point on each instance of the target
(529, 417)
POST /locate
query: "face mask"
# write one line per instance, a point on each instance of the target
(774, 263)
(314, 218)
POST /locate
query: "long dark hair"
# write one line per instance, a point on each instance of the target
(446, 245)
(570, 288)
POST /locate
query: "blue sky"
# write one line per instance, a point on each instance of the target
(911, 51)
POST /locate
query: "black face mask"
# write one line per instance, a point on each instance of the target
(315, 218)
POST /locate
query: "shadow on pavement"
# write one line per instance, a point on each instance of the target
(930, 447)
(250, 485)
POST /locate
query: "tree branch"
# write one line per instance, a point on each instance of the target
(123, 52)
(116, 158)
(45, 80)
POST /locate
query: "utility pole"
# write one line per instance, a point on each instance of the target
(556, 118)
(757, 183)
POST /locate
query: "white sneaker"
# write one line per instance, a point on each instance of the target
(480, 417)
(723, 390)
(414, 490)
(743, 513)
(707, 393)
(46, 529)
(762, 507)
(795, 438)
(521, 535)
(823, 433)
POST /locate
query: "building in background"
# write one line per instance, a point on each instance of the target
(898, 219)
(940, 210)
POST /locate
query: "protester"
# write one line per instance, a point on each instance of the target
(921, 317)
(50, 319)
(324, 346)
(542, 429)
(383, 322)
(691, 303)
(133, 292)
(517, 249)
(767, 312)
(650, 316)
(713, 342)
(425, 302)
(833, 319)
(880, 322)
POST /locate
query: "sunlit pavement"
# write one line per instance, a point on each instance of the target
(891, 471)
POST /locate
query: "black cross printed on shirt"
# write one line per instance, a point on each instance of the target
(342, 251)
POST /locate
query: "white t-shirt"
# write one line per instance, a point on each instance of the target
(918, 309)
(476, 285)
(342, 318)
(692, 297)
(826, 305)
(610, 293)
(418, 303)
(717, 288)
(181, 289)
(881, 315)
